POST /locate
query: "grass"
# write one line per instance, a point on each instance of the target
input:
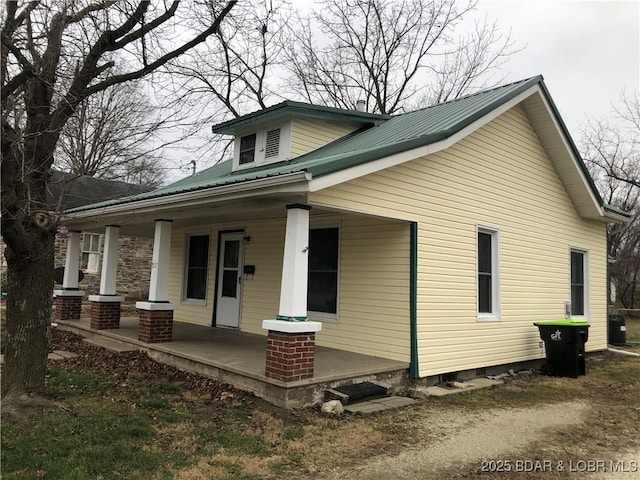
(101, 426)
(633, 333)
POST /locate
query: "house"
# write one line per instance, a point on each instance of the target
(435, 237)
(66, 191)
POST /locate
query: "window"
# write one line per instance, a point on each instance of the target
(90, 252)
(578, 283)
(247, 149)
(488, 286)
(197, 266)
(322, 295)
(262, 146)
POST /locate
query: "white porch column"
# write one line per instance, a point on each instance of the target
(156, 314)
(293, 290)
(72, 261)
(68, 300)
(105, 307)
(109, 260)
(159, 286)
(291, 338)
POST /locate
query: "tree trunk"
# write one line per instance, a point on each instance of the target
(30, 288)
(28, 230)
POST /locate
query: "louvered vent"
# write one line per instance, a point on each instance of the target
(272, 148)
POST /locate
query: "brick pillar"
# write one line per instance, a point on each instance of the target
(105, 311)
(290, 356)
(105, 315)
(67, 307)
(291, 349)
(155, 326)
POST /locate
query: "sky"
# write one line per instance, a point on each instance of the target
(587, 52)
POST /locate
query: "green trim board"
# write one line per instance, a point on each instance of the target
(291, 319)
(413, 301)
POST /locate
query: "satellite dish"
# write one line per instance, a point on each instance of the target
(58, 275)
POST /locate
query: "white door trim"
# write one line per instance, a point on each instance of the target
(228, 305)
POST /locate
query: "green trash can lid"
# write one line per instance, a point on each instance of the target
(565, 322)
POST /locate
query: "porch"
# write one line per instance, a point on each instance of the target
(238, 358)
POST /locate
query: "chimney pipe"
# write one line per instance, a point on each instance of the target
(360, 106)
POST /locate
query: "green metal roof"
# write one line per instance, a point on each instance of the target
(290, 108)
(386, 136)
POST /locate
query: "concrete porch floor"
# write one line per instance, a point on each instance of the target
(238, 358)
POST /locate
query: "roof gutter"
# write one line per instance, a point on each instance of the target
(235, 190)
(617, 217)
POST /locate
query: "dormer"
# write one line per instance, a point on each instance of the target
(288, 130)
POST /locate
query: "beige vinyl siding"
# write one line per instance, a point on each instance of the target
(261, 295)
(373, 308)
(498, 177)
(307, 135)
(373, 291)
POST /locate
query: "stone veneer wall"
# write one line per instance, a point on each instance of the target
(134, 266)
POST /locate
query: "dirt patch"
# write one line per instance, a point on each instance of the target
(538, 418)
(469, 437)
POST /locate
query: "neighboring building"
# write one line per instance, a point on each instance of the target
(65, 191)
(435, 237)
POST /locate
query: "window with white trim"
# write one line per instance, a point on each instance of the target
(262, 146)
(578, 283)
(488, 286)
(322, 290)
(247, 149)
(196, 267)
(90, 261)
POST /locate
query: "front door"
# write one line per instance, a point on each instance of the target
(229, 280)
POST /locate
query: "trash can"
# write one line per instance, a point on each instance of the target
(564, 345)
(617, 330)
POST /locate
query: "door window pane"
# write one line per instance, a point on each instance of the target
(231, 253)
(230, 283)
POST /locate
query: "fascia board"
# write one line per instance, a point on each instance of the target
(575, 160)
(288, 182)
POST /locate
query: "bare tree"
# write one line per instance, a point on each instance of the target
(114, 133)
(53, 56)
(234, 74)
(611, 151)
(392, 54)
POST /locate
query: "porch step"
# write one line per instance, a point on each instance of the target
(379, 404)
(110, 344)
(356, 392)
